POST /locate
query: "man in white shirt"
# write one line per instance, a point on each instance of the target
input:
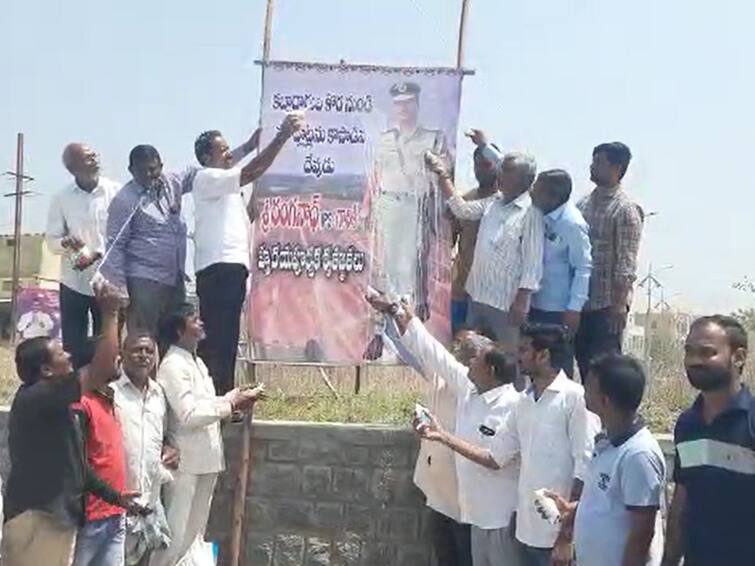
(484, 397)
(142, 412)
(508, 256)
(618, 517)
(76, 224)
(194, 426)
(221, 242)
(435, 469)
(550, 430)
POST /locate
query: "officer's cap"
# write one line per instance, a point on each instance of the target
(405, 90)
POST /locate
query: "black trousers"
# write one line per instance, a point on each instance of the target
(566, 362)
(595, 338)
(150, 302)
(221, 288)
(451, 540)
(75, 310)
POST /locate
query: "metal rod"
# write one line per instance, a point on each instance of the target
(462, 33)
(17, 233)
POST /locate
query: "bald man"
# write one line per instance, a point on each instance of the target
(76, 230)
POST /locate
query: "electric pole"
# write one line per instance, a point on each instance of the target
(649, 283)
(19, 193)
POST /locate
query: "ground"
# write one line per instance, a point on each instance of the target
(387, 395)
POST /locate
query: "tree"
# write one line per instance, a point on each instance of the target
(746, 318)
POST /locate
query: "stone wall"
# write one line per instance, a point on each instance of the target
(327, 494)
(321, 494)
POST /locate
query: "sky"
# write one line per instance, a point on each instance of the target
(673, 79)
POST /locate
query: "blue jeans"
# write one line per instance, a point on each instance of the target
(101, 543)
(459, 309)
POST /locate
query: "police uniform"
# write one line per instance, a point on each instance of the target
(405, 187)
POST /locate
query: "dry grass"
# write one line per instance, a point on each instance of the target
(387, 394)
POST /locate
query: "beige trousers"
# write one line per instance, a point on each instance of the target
(36, 538)
(187, 507)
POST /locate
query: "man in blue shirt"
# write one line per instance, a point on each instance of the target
(146, 239)
(567, 259)
(712, 517)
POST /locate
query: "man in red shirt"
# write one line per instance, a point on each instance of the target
(101, 541)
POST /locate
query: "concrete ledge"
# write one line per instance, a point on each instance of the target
(323, 493)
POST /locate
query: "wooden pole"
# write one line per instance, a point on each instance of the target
(245, 464)
(462, 33)
(358, 380)
(17, 234)
(268, 33)
(242, 480)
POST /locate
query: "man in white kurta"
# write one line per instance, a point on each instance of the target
(194, 419)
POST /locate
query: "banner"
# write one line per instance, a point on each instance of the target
(38, 313)
(349, 204)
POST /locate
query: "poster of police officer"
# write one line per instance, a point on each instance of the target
(350, 205)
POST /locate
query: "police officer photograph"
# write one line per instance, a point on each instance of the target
(404, 209)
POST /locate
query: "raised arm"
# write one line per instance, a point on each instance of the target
(431, 354)
(480, 139)
(434, 357)
(259, 164)
(104, 363)
(462, 209)
(247, 147)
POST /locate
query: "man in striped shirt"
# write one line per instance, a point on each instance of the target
(508, 257)
(712, 517)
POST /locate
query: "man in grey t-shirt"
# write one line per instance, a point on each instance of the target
(617, 521)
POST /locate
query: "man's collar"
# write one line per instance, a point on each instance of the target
(557, 213)
(125, 382)
(522, 201)
(742, 401)
(76, 188)
(557, 385)
(491, 395)
(560, 383)
(183, 351)
(636, 426)
(608, 191)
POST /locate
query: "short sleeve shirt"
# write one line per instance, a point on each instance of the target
(716, 464)
(619, 477)
(222, 227)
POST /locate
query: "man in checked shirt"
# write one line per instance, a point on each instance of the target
(615, 228)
